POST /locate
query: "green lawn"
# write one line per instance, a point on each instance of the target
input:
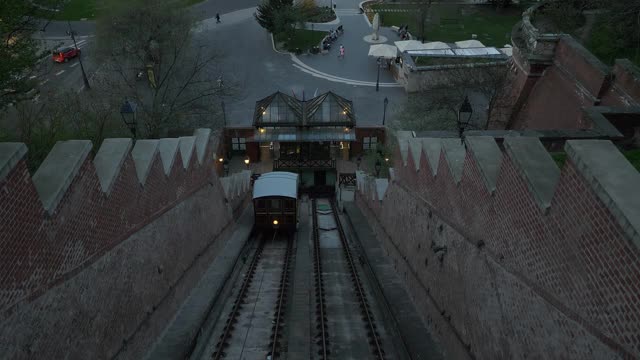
(86, 9)
(302, 39)
(77, 9)
(603, 44)
(632, 155)
(451, 23)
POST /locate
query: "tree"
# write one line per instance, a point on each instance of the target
(63, 116)
(501, 3)
(487, 86)
(267, 11)
(152, 58)
(423, 11)
(286, 19)
(18, 20)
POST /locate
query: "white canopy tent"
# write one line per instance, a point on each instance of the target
(409, 45)
(469, 44)
(383, 50)
(435, 45)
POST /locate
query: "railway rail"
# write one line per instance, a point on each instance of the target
(376, 345)
(321, 308)
(278, 317)
(321, 313)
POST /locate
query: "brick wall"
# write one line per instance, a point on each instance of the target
(104, 267)
(574, 80)
(362, 132)
(625, 90)
(536, 269)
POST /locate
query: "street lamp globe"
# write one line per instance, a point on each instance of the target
(128, 113)
(246, 162)
(465, 112)
(464, 117)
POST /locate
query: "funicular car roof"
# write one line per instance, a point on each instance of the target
(276, 183)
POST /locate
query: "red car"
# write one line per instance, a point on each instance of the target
(63, 55)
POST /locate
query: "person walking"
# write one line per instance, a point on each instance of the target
(218, 18)
(341, 56)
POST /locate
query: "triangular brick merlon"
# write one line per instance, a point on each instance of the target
(109, 160)
(488, 157)
(612, 178)
(57, 171)
(144, 154)
(536, 167)
(10, 155)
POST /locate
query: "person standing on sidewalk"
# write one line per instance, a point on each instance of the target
(341, 56)
(218, 18)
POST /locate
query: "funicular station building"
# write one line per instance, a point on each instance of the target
(309, 137)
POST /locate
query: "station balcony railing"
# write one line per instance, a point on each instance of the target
(282, 164)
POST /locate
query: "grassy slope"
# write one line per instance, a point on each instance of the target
(493, 28)
(632, 155)
(603, 44)
(303, 39)
(86, 9)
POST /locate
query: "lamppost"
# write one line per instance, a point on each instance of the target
(358, 161)
(384, 113)
(379, 62)
(224, 114)
(377, 166)
(84, 75)
(464, 117)
(246, 162)
(225, 166)
(128, 113)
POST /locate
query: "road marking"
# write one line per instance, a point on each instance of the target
(44, 82)
(75, 64)
(32, 77)
(59, 72)
(81, 41)
(319, 74)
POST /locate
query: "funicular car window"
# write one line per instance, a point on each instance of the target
(275, 204)
(289, 204)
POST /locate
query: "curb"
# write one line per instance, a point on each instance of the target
(273, 45)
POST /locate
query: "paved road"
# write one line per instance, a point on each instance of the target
(251, 62)
(52, 76)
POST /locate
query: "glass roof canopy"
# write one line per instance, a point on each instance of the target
(293, 135)
(325, 110)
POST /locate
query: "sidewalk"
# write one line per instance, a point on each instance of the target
(356, 65)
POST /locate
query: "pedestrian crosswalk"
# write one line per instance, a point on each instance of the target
(348, 12)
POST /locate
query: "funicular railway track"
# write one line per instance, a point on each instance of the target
(322, 315)
(226, 347)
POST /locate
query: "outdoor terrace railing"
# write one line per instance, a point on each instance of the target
(303, 164)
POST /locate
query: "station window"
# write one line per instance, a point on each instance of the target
(369, 143)
(239, 143)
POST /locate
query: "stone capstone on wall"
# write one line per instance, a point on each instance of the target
(517, 257)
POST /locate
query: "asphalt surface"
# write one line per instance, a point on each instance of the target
(250, 62)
